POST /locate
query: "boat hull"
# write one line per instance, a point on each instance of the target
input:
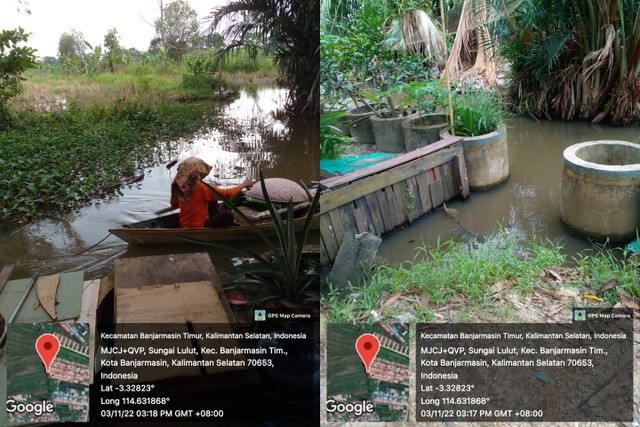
(158, 231)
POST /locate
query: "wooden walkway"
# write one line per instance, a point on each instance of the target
(391, 194)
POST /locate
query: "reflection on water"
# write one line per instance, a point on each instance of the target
(530, 200)
(251, 134)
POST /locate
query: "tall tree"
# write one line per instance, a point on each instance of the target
(71, 45)
(113, 55)
(177, 29)
(287, 29)
(14, 60)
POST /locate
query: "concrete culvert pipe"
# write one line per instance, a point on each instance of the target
(601, 189)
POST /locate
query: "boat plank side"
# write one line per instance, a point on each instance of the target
(461, 169)
(325, 258)
(394, 206)
(336, 224)
(399, 193)
(366, 212)
(414, 207)
(348, 218)
(144, 236)
(328, 235)
(336, 198)
(444, 174)
(385, 211)
(361, 222)
(374, 209)
(423, 189)
(339, 181)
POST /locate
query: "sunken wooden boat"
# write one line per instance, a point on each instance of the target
(166, 230)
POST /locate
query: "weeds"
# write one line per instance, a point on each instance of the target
(602, 266)
(141, 83)
(332, 142)
(460, 276)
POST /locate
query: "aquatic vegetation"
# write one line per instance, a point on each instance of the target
(58, 161)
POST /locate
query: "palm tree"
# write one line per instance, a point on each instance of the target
(577, 59)
(289, 30)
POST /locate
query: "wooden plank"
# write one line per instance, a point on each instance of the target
(374, 210)
(328, 238)
(366, 213)
(385, 211)
(437, 193)
(168, 269)
(4, 275)
(46, 288)
(447, 184)
(361, 222)
(340, 180)
(325, 258)
(148, 374)
(106, 286)
(194, 302)
(395, 206)
(88, 309)
(339, 197)
(338, 228)
(462, 173)
(348, 220)
(414, 206)
(400, 189)
(423, 189)
(162, 270)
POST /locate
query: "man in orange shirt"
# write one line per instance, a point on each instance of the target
(198, 204)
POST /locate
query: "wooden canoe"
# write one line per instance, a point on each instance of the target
(165, 230)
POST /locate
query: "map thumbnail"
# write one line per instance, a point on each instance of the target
(353, 394)
(62, 394)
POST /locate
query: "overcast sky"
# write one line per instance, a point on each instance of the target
(50, 18)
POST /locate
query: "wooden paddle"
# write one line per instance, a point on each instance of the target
(165, 210)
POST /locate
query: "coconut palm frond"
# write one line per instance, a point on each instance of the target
(427, 35)
(462, 41)
(415, 32)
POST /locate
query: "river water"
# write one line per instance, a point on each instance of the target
(254, 133)
(529, 202)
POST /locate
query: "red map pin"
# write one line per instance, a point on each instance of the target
(367, 347)
(47, 347)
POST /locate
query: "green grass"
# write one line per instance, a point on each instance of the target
(602, 265)
(142, 83)
(243, 63)
(460, 275)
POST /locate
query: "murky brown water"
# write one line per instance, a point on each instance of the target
(529, 202)
(254, 135)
